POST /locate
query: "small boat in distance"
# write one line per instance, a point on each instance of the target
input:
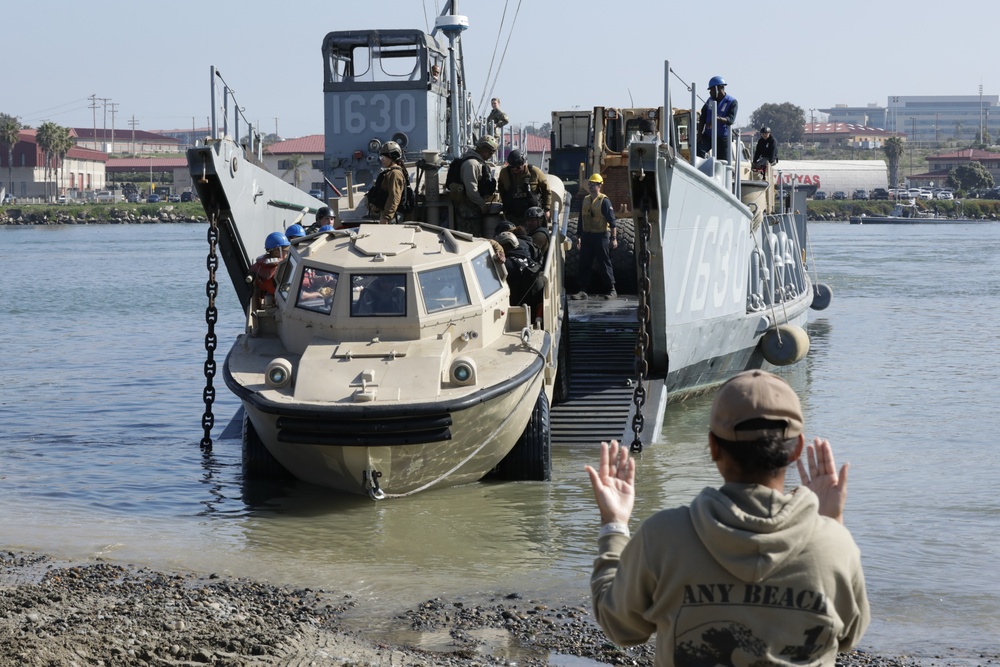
(907, 212)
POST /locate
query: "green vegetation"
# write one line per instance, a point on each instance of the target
(103, 212)
(786, 120)
(959, 208)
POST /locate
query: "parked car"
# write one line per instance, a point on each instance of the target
(880, 193)
(132, 198)
(187, 196)
(153, 199)
(9, 199)
(839, 194)
(859, 194)
(318, 194)
(945, 194)
(175, 198)
(106, 197)
(61, 199)
(819, 195)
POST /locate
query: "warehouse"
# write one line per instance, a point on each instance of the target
(833, 175)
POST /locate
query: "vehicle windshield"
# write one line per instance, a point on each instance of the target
(378, 295)
(443, 288)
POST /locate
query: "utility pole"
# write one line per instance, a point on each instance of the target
(981, 113)
(105, 101)
(133, 124)
(93, 105)
(276, 135)
(114, 110)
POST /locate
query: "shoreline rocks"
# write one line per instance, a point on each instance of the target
(99, 613)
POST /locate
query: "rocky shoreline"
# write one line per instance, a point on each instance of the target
(98, 613)
(115, 216)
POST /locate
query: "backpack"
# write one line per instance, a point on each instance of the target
(487, 184)
(378, 195)
(524, 276)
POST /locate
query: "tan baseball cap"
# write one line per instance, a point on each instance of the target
(755, 395)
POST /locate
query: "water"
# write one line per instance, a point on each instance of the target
(103, 335)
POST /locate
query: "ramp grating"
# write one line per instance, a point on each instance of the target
(602, 363)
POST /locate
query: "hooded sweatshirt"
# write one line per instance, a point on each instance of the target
(745, 575)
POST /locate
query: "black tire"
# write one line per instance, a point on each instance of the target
(622, 261)
(531, 458)
(571, 260)
(258, 462)
(560, 390)
(623, 258)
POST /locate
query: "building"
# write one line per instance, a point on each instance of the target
(81, 170)
(936, 118)
(871, 115)
(833, 175)
(940, 166)
(132, 142)
(303, 158)
(157, 168)
(845, 135)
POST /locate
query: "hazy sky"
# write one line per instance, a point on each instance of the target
(151, 60)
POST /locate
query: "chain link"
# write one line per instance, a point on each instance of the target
(211, 340)
(645, 323)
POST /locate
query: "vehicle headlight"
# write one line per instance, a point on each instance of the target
(278, 373)
(463, 372)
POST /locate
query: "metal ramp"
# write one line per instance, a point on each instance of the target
(602, 337)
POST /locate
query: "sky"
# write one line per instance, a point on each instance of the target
(150, 61)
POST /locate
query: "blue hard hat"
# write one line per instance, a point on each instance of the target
(276, 240)
(326, 228)
(716, 81)
(295, 231)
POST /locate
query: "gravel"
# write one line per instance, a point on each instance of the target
(75, 615)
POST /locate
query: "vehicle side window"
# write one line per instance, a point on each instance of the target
(443, 288)
(317, 289)
(378, 295)
(283, 277)
(486, 274)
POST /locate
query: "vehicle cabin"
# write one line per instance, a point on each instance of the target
(342, 286)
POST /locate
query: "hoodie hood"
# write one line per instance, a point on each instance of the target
(752, 530)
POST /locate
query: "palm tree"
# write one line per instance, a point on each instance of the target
(893, 149)
(64, 142)
(47, 137)
(295, 168)
(10, 129)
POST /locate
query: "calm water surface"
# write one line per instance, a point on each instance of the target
(100, 411)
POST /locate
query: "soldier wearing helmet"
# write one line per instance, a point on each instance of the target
(385, 196)
(725, 117)
(264, 269)
(597, 235)
(521, 186)
(324, 216)
(472, 185)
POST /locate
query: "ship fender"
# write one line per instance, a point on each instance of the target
(822, 294)
(784, 345)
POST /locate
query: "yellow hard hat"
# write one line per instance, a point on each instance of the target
(596, 178)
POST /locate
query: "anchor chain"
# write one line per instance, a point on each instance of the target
(211, 340)
(642, 344)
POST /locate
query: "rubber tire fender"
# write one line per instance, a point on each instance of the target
(258, 462)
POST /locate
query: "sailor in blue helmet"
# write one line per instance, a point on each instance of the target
(725, 118)
(294, 232)
(264, 269)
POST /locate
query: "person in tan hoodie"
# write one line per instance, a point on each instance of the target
(747, 573)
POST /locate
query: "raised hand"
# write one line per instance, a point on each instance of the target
(614, 483)
(823, 479)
